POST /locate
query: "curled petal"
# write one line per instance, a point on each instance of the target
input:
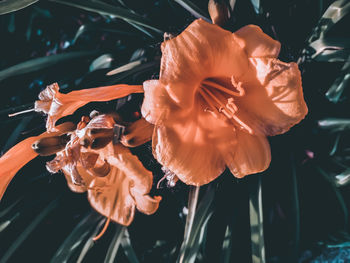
(157, 106)
(251, 155)
(111, 197)
(20, 154)
(212, 51)
(256, 43)
(146, 204)
(137, 133)
(274, 97)
(57, 105)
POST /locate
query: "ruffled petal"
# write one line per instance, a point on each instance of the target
(251, 155)
(122, 158)
(274, 101)
(58, 105)
(110, 196)
(157, 106)
(191, 148)
(201, 51)
(19, 155)
(256, 43)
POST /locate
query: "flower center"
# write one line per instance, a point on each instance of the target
(220, 100)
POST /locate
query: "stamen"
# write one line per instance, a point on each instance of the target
(209, 101)
(245, 126)
(215, 85)
(103, 230)
(21, 112)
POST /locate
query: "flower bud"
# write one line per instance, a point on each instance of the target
(219, 12)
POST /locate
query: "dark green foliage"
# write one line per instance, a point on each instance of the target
(296, 210)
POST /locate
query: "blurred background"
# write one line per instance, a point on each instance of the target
(296, 211)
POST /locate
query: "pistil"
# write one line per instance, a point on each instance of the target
(214, 99)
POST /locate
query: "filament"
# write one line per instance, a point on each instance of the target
(103, 230)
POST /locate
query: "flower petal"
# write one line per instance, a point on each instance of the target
(146, 204)
(110, 196)
(20, 154)
(137, 133)
(256, 43)
(157, 106)
(191, 148)
(251, 155)
(201, 51)
(58, 105)
(274, 101)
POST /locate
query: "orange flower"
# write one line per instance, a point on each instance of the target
(218, 96)
(57, 105)
(115, 179)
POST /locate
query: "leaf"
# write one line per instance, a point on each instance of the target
(103, 61)
(343, 179)
(257, 6)
(196, 223)
(8, 6)
(42, 63)
(334, 124)
(343, 80)
(107, 9)
(91, 27)
(193, 9)
(75, 239)
(125, 67)
(128, 249)
(337, 194)
(227, 245)
(28, 230)
(90, 242)
(16, 133)
(114, 245)
(256, 222)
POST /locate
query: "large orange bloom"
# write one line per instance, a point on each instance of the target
(218, 96)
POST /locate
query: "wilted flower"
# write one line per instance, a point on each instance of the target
(57, 105)
(218, 96)
(115, 179)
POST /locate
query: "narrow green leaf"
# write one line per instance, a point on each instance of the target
(91, 27)
(114, 245)
(8, 6)
(110, 10)
(193, 9)
(343, 179)
(75, 239)
(343, 80)
(257, 6)
(125, 67)
(256, 222)
(43, 62)
(192, 205)
(127, 247)
(338, 195)
(16, 133)
(227, 246)
(195, 237)
(334, 124)
(103, 61)
(28, 230)
(90, 242)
